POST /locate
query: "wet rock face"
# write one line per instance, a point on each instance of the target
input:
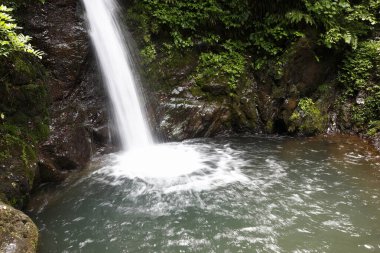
(59, 30)
(187, 118)
(77, 98)
(18, 233)
(190, 112)
(16, 181)
(261, 102)
(75, 125)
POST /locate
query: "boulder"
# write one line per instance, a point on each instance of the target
(18, 233)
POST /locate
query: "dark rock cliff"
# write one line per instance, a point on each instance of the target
(78, 125)
(79, 119)
(259, 104)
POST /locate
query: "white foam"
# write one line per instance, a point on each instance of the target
(174, 167)
(158, 161)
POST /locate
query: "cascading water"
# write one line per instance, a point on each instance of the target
(116, 64)
(171, 166)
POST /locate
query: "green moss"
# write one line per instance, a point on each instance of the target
(13, 201)
(3, 198)
(359, 76)
(25, 66)
(12, 144)
(269, 126)
(373, 128)
(170, 69)
(21, 155)
(307, 119)
(196, 91)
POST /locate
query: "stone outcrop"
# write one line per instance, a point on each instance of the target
(18, 233)
(259, 104)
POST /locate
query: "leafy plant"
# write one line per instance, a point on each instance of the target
(374, 127)
(10, 40)
(149, 53)
(228, 64)
(264, 35)
(338, 20)
(359, 76)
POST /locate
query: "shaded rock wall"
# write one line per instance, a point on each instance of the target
(259, 104)
(79, 119)
(77, 111)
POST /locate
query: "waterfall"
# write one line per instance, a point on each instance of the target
(165, 164)
(116, 66)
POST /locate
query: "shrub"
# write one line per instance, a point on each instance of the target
(228, 64)
(10, 40)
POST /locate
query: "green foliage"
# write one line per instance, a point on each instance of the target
(297, 16)
(359, 76)
(187, 24)
(23, 105)
(267, 30)
(149, 53)
(358, 66)
(265, 35)
(307, 119)
(272, 41)
(228, 64)
(341, 20)
(10, 40)
(374, 127)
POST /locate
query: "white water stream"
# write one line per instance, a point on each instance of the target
(116, 64)
(178, 165)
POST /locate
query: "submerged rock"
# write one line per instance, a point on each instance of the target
(18, 233)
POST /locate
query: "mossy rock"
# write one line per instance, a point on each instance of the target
(24, 123)
(17, 169)
(18, 233)
(307, 119)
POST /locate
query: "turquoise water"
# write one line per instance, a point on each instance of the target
(254, 194)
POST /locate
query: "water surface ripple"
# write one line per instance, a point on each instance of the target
(255, 194)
